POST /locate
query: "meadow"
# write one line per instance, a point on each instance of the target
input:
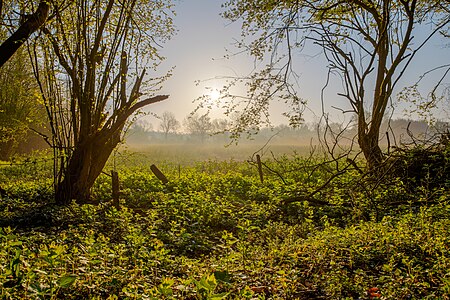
(215, 231)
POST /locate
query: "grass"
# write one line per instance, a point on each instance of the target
(187, 153)
(216, 232)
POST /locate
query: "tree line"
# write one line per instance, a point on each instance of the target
(197, 128)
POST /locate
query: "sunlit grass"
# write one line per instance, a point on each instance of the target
(189, 153)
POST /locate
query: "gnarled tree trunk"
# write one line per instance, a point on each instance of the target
(84, 166)
(368, 142)
(90, 156)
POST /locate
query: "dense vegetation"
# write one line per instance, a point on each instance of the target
(216, 232)
(328, 226)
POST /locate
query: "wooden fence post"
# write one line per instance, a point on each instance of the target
(115, 189)
(260, 171)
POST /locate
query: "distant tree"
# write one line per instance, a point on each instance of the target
(90, 54)
(139, 132)
(24, 25)
(220, 125)
(142, 126)
(220, 130)
(169, 123)
(368, 44)
(20, 104)
(198, 125)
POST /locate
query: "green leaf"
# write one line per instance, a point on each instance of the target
(218, 296)
(222, 276)
(15, 243)
(207, 282)
(66, 281)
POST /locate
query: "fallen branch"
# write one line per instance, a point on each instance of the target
(310, 198)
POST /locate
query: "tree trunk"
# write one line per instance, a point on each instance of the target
(85, 165)
(368, 142)
(6, 149)
(90, 154)
(33, 22)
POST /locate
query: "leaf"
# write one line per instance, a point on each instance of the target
(207, 282)
(11, 283)
(15, 243)
(218, 296)
(222, 276)
(66, 281)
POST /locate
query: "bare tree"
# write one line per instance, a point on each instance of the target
(169, 123)
(368, 44)
(143, 126)
(198, 125)
(94, 50)
(220, 125)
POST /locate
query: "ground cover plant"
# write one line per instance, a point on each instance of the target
(215, 231)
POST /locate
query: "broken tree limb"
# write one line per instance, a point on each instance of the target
(159, 174)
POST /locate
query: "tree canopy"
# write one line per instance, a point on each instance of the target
(368, 44)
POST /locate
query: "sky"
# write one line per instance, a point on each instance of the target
(197, 52)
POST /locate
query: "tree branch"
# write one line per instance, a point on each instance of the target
(118, 119)
(33, 23)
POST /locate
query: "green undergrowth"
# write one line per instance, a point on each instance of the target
(216, 232)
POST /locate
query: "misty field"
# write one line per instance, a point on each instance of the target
(186, 154)
(215, 231)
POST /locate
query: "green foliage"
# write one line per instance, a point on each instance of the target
(20, 103)
(216, 232)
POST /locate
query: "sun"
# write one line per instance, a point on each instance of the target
(214, 95)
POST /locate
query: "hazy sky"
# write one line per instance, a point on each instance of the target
(197, 53)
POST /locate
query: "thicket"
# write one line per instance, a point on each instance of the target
(216, 232)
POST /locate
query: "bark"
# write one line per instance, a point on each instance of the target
(368, 135)
(85, 165)
(90, 156)
(33, 23)
(368, 142)
(7, 149)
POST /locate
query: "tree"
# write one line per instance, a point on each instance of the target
(169, 123)
(20, 106)
(89, 54)
(28, 25)
(198, 125)
(368, 43)
(142, 126)
(139, 132)
(220, 125)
